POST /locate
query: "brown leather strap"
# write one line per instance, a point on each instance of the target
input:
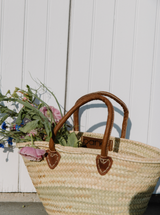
(104, 150)
(125, 118)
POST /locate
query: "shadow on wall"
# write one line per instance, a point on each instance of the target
(8, 150)
(94, 127)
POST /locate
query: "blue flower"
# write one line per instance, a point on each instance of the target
(18, 126)
(9, 140)
(4, 126)
(1, 145)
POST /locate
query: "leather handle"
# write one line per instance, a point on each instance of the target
(104, 162)
(125, 109)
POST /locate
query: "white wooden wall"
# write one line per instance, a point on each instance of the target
(81, 46)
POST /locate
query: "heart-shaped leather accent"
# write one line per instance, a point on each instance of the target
(103, 164)
(53, 158)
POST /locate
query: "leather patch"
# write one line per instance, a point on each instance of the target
(92, 142)
(95, 143)
(53, 158)
(103, 164)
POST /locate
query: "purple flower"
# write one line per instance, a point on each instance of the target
(33, 132)
(32, 154)
(1, 145)
(56, 113)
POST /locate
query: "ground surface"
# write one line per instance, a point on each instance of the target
(29, 204)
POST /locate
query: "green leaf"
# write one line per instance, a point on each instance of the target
(48, 129)
(16, 89)
(3, 118)
(5, 109)
(1, 96)
(8, 92)
(27, 138)
(34, 117)
(62, 141)
(72, 140)
(15, 95)
(29, 126)
(47, 139)
(30, 94)
(28, 116)
(40, 105)
(20, 117)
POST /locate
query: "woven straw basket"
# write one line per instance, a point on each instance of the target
(117, 177)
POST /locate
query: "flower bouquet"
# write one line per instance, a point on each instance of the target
(34, 122)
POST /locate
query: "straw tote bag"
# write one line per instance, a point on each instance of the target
(95, 181)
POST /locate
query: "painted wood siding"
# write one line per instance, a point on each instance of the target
(76, 47)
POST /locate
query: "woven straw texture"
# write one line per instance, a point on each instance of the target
(75, 187)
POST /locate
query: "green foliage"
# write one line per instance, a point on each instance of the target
(36, 122)
(72, 140)
(29, 126)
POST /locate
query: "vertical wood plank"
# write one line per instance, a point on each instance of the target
(140, 101)
(122, 58)
(34, 55)
(11, 66)
(9, 170)
(100, 64)
(57, 50)
(154, 116)
(79, 55)
(12, 43)
(102, 45)
(123, 47)
(1, 38)
(35, 41)
(79, 50)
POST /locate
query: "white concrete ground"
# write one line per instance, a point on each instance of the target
(19, 197)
